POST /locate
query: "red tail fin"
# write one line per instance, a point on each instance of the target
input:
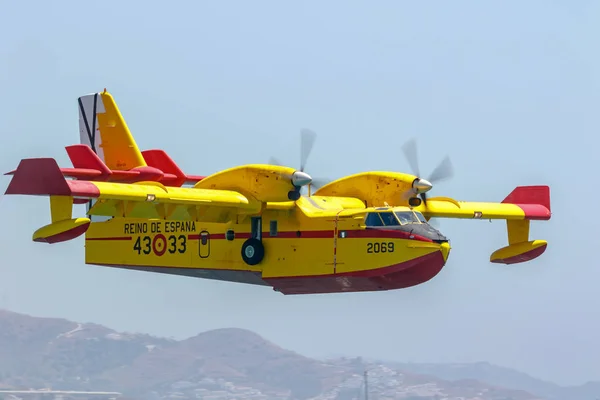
(160, 159)
(83, 157)
(174, 176)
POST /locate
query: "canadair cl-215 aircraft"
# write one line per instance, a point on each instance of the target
(252, 224)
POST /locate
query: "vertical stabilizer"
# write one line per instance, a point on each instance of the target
(103, 128)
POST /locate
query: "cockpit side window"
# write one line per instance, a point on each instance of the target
(373, 220)
(388, 218)
(420, 217)
(407, 217)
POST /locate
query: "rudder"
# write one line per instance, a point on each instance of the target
(104, 130)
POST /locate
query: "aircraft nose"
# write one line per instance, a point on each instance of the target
(445, 250)
(300, 178)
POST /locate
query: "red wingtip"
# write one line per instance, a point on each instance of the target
(534, 200)
(38, 176)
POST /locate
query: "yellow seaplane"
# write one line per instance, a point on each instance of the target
(255, 224)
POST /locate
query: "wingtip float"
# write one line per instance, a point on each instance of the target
(251, 224)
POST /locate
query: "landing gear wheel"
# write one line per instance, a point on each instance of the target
(253, 251)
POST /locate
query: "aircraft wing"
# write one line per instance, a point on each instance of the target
(519, 208)
(523, 203)
(43, 177)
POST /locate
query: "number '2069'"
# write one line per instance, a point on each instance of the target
(380, 247)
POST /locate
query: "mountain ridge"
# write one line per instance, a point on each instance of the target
(52, 352)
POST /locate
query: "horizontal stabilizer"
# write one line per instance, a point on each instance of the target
(174, 176)
(84, 159)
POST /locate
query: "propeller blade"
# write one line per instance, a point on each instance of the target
(410, 152)
(407, 194)
(443, 171)
(307, 140)
(319, 182)
(275, 161)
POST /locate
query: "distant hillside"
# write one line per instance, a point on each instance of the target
(224, 363)
(504, 377)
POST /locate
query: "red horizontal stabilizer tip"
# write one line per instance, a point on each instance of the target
(157, 158)
(38, 176)
(84, 158)
(534, 200)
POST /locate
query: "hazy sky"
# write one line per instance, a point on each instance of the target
(510, 90)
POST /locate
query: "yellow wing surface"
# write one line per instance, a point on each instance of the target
(522, 205)
(42, 177)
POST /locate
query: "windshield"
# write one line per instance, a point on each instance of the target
(407, 217)
(381, 219)
(389, 218)
(420, 217)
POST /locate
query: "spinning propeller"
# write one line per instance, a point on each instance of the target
(301, 178)
(420, 186)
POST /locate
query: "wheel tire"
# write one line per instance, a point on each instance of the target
(253, 251)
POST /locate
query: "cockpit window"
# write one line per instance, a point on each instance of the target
(421, 217)
(407, 217)
(373, 220)
(389, 218)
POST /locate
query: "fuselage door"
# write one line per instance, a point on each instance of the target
(204, 244)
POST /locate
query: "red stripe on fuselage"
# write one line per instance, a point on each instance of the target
(325, 234)
(111, 238)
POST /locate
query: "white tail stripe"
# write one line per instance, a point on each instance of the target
(88, 122)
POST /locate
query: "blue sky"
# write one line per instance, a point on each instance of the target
(510, 90)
